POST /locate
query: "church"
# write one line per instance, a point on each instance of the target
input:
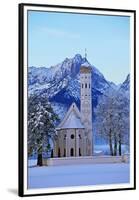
(74, 133)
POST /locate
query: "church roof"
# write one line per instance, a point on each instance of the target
(72, 122)
(72, 119)
(85, 67)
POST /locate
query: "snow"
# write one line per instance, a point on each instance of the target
(64, 75)
(86, 64)
(61, 84)
(59, 109)
(105, 149)
(73, 121)
(77, 175)
(96, 71)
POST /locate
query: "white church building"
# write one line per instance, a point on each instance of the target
(74, 133)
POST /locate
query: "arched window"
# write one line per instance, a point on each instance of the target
(71, 152)
(85, 85)
(89, 85)
(82, 85)
(72, 136)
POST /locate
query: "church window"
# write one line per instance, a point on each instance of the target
(72, 136)
(71, 152)
(82, 85)
(89, 85)
(86, 85)
(80, 136)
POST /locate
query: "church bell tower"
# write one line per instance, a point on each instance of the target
(86, 103)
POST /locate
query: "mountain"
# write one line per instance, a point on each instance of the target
(126, 84)
(61, 83)
(125, 87)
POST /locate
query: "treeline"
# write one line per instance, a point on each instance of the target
(112, 120)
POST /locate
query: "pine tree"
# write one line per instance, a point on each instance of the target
(41, 125)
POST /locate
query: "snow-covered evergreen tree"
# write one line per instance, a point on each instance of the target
(41, 125)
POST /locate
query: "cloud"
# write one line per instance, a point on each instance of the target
(61, 33)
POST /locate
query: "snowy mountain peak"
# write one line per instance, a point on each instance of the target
(126, 84)
(78, 57)
(61, 83)
(62, 76)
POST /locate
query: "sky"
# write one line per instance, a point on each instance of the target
(52, 37)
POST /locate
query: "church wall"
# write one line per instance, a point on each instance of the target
(86, 108)
(71, 141)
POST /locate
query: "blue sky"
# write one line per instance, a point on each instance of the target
(55, 36)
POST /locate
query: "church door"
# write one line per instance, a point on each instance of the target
(71, 152)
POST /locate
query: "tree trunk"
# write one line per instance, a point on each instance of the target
(115, 145)
(110, 144)
(111, 148)
(120, 148)
(52, 153)
(39, 160)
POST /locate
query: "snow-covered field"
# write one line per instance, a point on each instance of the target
(105, 149)
(77, 175)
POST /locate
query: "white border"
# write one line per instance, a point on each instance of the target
(80, 188)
